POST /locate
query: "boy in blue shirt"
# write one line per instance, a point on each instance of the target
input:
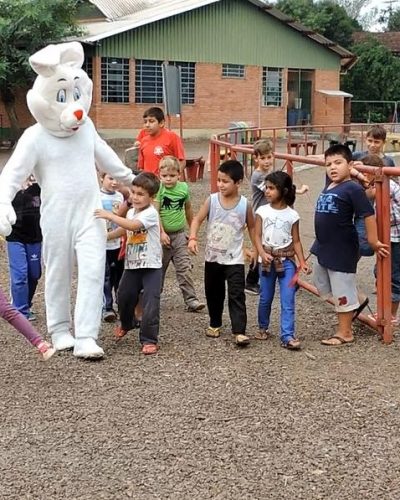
(336, 245)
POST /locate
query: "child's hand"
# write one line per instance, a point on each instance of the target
(266, 258)
(305, 268)
(165, 239)
(381, 249)
(304, 189)
(248, 254)
(193, 247)
(99, 213)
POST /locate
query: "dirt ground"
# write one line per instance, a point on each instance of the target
(202, 419)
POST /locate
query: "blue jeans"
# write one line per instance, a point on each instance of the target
(112, 277)
(395, 258)
(287, 294)
(365, 249)
(25, 270)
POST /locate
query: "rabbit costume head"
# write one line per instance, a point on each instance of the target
(62, 92)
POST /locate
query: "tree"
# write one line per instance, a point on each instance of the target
(375, 77)
(393, 20)
(356, 10)
(25, 27)
(325, 17)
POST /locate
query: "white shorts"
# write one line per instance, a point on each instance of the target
(341, 287)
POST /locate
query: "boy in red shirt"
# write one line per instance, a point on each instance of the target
(158, 142)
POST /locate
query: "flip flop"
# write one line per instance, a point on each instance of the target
(360, 308)
(340, 341)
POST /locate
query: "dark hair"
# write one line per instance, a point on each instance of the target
(372, 160)
(156, 113)
(233, 169)
(262, 147)
(284, 184)
(340, 150)
(377, 132)
(147, 181)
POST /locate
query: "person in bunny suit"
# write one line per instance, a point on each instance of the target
(62, 150)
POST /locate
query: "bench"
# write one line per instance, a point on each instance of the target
(306, 145)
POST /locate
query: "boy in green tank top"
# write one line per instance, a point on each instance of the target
(173, 204)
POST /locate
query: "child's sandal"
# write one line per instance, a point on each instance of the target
(149, 349)
(292, 344)
(262, 334)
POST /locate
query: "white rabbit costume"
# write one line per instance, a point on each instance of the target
(63, 150)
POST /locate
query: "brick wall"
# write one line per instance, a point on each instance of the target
(327, 110)
(23, 113)
(218, 101)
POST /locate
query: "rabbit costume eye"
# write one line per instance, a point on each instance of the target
(77, 94)
(61, 96)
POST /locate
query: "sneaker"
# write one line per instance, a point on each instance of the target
(119, 333)
(109, 316)
(199, 306)
(242, 340)
(252, 289)
(46, 350)
(31, 316)
(213, 332)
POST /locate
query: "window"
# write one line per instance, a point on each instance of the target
(149, 84)
(272, 86)
(88, 66)
(232, 71)
(114, 80)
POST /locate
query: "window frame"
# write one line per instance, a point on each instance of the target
(228, 71)
(272, 92)
(121, 84)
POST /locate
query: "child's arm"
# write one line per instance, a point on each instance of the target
(265, 257)
(298, 248)
(165, 239)
(116, 233)
(372, 236)
(129, 225)
(188, 212)
(303, 189)
(251, 225)
(195, 226)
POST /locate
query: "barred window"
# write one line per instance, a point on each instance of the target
(88, 66)
(114, 80)
(272, 86)
(149, 84)
(233, 71)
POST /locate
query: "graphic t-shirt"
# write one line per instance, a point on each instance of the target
(154, 148)
(111, 202)
(336, 244)
(225, 232)
(277, 226)
(143, 246)
(172, 206)
(258, 190)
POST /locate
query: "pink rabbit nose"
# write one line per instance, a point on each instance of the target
(78, 113)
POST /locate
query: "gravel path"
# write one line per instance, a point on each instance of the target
(204, 419)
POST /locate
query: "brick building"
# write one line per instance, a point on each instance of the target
(240, 60)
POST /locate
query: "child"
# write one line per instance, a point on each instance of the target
(111, 200)
(375, 141)
(263, 160)
(22, 325)
(158, 142)
(376, 161)
(24, 248)
(336, 244)
(228, 213)
(143, 262)
(175, 209)
(278, 241)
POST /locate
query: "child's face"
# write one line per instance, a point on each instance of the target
(337, 168)
(169, 177)
(108, 183)
(139, 198)
(272, 193)
(264, 162)
(375, 146)
(226, 185)
(152, 126)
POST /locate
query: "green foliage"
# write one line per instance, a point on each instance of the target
(25, 27)
(394, 21)
(325, 17)
(375, 77)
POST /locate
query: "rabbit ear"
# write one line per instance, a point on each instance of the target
(45, 61)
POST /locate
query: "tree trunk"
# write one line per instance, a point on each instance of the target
(8, 98)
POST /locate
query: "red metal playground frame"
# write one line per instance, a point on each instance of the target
(221, 148)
